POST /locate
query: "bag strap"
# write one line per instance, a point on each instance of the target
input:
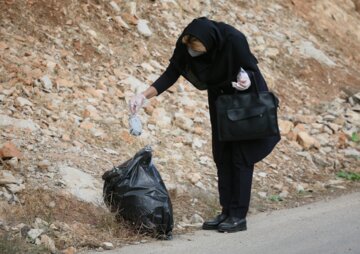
(255, 82)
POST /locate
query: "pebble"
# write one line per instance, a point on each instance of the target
(34, 233)
(143, 28)
(107, 245)
(22, 102)
(262, 194)
(46, 82)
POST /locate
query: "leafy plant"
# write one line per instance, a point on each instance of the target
(355, 137)
(349, 175)
(275, 198)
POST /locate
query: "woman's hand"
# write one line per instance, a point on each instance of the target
(136, 102)
(139, 100)
(243, 81)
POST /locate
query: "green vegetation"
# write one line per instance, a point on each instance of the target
(275, 198)
(349, 175)
(355, 137)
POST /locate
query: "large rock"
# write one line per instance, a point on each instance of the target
(22, 102)
(6, 121)
(82, 185)
(306, 141)
(285, 127)
(33, 234)
(9, 150)
(6, 177)
(308, 49)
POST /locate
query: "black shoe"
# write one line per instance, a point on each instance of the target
(213, 223)
(232, 224)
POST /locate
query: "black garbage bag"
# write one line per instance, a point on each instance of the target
(136, 192)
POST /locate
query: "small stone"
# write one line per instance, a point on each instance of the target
(320, 161)
(200, 185)
(6, 177)
(196, 219)
(262, 174)
(285, 127)
(48, 243)
(284, 194)
(9, 150)
(13, 162)
(351, 153)
(33, 234)
(66, 137)
(134, 84)
(334, 127)
(115, 6)
(39, 223)
(46, 83)
(107, 245)
(15, 188)
(194, 177)
(92, 33)
(356, 97)
(22, 102)
(110, 151)
(143, 27)
(272, 53)
(183, 122)
(198, 143)
(148, 67)
(131, 19)
(279, 186)
(44, 164)
(300, 188)
(24, 230)
(70, 250)
(121, 22)
(262, 194)
(305, 140)
(52, 204)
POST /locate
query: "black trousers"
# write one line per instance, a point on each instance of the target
(234, 170)
(234, 180)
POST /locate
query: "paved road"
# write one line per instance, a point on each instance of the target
(331, 227)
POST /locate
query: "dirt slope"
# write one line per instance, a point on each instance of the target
(68, 68)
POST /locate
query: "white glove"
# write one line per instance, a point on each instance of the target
(243, 81)
(136, 102)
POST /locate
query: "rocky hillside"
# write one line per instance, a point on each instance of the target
(68, 69)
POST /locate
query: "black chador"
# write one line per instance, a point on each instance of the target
(227, 51)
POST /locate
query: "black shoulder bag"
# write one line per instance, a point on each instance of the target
(246, 116)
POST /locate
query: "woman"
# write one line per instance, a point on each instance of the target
(215, 56)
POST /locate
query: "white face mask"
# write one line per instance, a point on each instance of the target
(195, 53)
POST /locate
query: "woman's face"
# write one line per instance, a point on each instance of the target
(194, 46)
(194, 53)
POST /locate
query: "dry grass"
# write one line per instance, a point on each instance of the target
(15, 245)
(87, 225)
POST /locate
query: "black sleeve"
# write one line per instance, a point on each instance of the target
(243, 54)
(167, 79)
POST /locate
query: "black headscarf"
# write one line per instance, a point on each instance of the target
(227, 51)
